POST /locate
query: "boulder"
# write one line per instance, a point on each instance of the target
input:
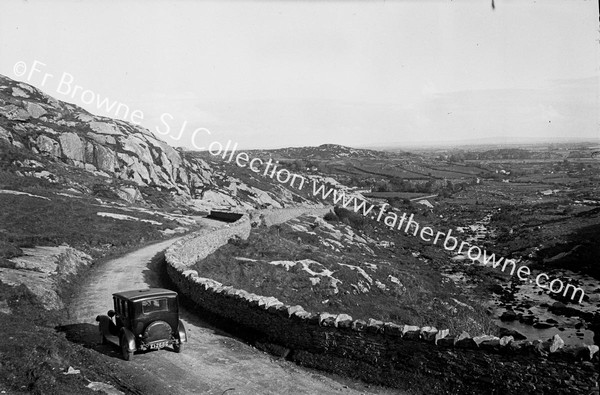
(464, 340)
(14, 113)
(48, 146)
(429, 333)
(72, 146)
(359, 325)
(105, 128)
(411, 332)
(327, 319)
(484, 338)
(35, 110)
(556, 343)
(343, 321)
(508, 316)
(102, 139)
(129, 194)
(137, 146)
(392, 329)
(293, 309)
(511, 332)
(104, 158)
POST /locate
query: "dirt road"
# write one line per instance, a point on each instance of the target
(213, 362)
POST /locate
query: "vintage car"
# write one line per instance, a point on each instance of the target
(144, 319)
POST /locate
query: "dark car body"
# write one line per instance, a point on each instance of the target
(144, 319)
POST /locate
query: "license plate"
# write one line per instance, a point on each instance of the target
(159, 345)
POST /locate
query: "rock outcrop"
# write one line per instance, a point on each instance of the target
(67, 134)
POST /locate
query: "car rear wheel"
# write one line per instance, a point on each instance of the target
(127, 354)
(178, 347)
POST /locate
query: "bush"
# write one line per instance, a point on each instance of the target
(331, 217)
(349, 217)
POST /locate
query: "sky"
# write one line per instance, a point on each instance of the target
(268, 74)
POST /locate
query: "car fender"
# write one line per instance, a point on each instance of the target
(104, 324)
(182, 334)
(129, 338)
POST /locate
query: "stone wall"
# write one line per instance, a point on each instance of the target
(402, 356)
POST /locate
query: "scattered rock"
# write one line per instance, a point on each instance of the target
(511, 332)
(508, 316)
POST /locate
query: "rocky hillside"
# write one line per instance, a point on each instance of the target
(127, 156)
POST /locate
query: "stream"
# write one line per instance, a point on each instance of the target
(533, 315)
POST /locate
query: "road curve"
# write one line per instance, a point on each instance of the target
(212, 362)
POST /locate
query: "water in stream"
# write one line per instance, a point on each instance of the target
(530, 302)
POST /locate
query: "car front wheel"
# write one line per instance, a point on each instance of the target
(127, 354)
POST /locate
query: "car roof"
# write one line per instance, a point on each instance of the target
(138, 294)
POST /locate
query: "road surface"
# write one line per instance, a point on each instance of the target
(212, 362)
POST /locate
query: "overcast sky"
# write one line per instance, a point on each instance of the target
(292, 73)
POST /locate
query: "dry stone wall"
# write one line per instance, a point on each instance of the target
(402, 356)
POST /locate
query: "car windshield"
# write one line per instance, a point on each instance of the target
(150, 306)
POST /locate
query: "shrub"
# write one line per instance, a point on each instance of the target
(349, 217)
(330, 216)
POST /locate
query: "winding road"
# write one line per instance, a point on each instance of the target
(213, 362)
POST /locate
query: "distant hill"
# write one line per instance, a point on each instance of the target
(324, 152)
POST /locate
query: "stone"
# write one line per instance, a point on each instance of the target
(359, 325)
(505, 340)
(392, 329)
(374, 326)
(326, 319)
(484, 338)
(17, 92)
(272, 302)
(129, 194)
(137, 146)
(447, 341)
(293, 309)
(508, 316)
(511, 332)
(105, 128)
(520, 345)
(428, 333)
(441, 335)
(48, 146)
(464, 340)
(14, 113)
(277, 308)
(411, 332)
(343, 321)
(35, 110)
(585, 352)
(542, 325)
(102, 139)
(190, 273)
(72, 146)
(556, 343)
(104, 158)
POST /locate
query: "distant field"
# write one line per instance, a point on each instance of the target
(454, 168)
(401, 195)
(391, 172)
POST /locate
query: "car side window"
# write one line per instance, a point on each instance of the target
(124, 311)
